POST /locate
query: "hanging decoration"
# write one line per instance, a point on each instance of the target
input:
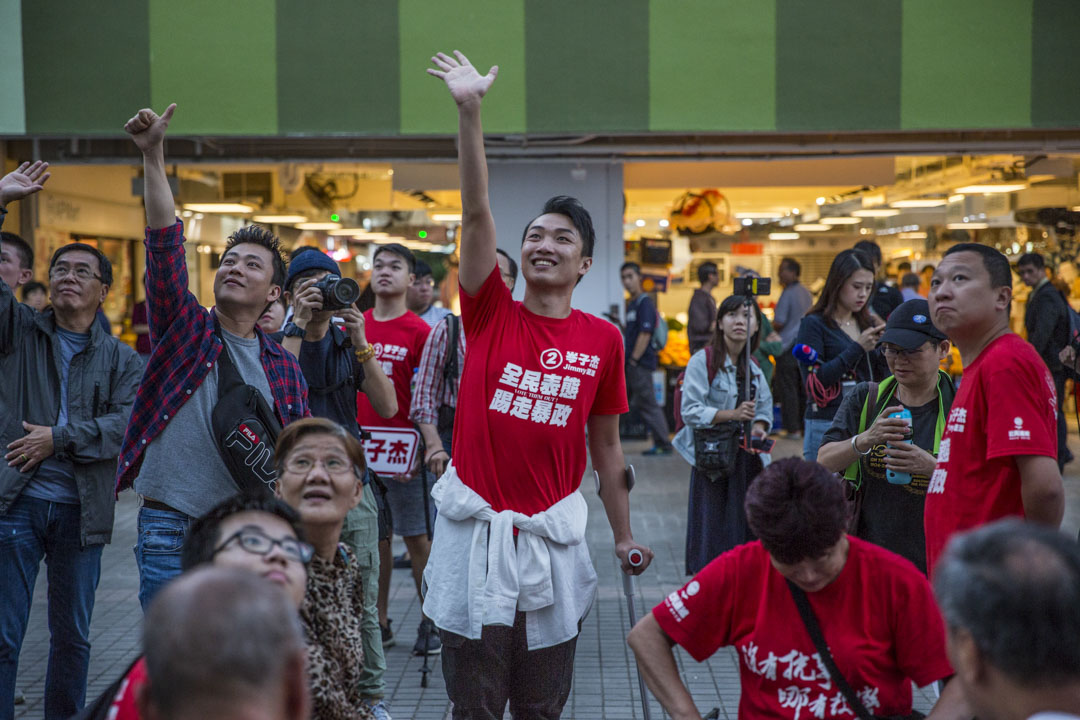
(695, 213)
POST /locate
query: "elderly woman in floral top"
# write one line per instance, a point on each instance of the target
(320, 467)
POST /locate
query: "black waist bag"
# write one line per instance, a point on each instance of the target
(245, 429)
(715, 447)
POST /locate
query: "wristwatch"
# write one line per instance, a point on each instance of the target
(294, 330)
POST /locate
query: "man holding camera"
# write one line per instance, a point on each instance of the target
(170, 451)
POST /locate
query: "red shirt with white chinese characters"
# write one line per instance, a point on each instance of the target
(528, 387)
(398, 345)
(878, 617)
(1006, 406)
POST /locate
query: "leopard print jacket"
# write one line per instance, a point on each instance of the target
(331, 614)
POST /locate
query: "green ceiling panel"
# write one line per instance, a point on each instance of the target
(488, 32)
(587, 65)
(1055, 64)
(336, 67)
(13, 108)
(85, 65)
(967, 63)
(712, 63)
(837, 64)
(218, 62)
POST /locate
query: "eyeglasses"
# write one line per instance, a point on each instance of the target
(62, 270)
(302, 465)
(257, 542)
(891, 351)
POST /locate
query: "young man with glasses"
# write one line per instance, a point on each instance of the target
(865, 443)
(170, 453)
(420, 296)
(66, 398)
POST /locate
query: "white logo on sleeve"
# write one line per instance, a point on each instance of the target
(1018, 432)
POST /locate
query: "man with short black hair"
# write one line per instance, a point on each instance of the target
(421, 294)
(222, 643)
(170, 453)
(1046, 318)
(884, 298)
(642, 359)
(66, 399)
(998, 456)
(701, 317)
(1010, 596)
(511, 579)
(398, 337)
(788, 387)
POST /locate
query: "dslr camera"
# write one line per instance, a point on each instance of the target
(338, 293)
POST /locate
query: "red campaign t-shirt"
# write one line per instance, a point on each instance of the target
(123, 705)
(398, 345)
(529, 385)
(878, 617)
(1006, 406)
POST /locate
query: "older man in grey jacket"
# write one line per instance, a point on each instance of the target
(64, 403)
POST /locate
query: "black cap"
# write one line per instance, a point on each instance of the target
(909, 326)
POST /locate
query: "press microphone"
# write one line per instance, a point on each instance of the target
(805, 354)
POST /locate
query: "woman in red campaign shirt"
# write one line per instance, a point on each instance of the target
(875, 609)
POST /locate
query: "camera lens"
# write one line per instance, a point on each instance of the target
(345, 292)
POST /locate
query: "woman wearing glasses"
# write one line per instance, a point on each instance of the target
(256, 533)
(868, 446)
(320, 467)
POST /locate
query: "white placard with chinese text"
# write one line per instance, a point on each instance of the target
(391, 450)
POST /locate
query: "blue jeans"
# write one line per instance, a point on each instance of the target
(157, 550)
(813, 433)
(32, 530)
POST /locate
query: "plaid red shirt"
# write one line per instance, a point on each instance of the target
(432, 390)
(184, 349)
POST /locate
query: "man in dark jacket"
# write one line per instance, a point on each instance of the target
(65, 402)
(1047, 321)
(701, 317)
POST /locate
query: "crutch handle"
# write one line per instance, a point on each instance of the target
(635, 557)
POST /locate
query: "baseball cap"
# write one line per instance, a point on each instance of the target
(310, 260)
(909, 326)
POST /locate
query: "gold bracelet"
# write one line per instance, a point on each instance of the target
(362, 356)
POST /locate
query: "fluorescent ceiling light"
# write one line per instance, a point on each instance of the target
(991, 188)
(912, 235)
(446, 217)
(347, 231)
(967, 226)
(221, 207)
(875, 212)
(840, 221)
(918, 203)
(367, 236)
(318, 226)
(280, 219)
(811, 227)
(757, 215)
(784, 236)
(956, 198)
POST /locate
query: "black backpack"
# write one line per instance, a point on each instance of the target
(245, 428)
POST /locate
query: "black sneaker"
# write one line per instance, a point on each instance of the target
(427, 639)
(388, 640)
(402, 561)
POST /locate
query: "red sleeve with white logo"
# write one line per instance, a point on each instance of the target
(1022, 417)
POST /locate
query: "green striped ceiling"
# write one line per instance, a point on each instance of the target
(295, 67)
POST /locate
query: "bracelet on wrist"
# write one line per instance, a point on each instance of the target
(364, 354)
(431, 455)
(855, 447)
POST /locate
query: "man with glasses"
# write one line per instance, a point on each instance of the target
(67, 393)
(865, 443)
(419, 297)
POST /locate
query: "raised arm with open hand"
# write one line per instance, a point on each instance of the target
(147, 129)
(468, 87)
(24, 180)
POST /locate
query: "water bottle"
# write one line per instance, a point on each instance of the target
(901, 478)
(415, 376)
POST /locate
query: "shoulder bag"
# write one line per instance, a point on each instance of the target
(716, 446)
(810, 621)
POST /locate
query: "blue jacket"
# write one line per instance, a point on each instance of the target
(841, 358)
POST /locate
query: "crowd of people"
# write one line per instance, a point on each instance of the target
(263, 546)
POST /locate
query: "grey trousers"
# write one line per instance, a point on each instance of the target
(639, 388)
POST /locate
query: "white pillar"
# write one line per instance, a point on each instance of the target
(518, 191)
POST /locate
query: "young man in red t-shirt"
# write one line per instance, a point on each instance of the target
(998, 455)
(510, 578)
(398, 337)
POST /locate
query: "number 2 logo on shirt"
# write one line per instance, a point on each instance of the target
(551, 359)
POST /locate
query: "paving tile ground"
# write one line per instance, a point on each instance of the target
(605, 683)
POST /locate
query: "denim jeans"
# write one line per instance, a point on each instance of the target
(32, 530)
(813, 433)
(157, 549)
